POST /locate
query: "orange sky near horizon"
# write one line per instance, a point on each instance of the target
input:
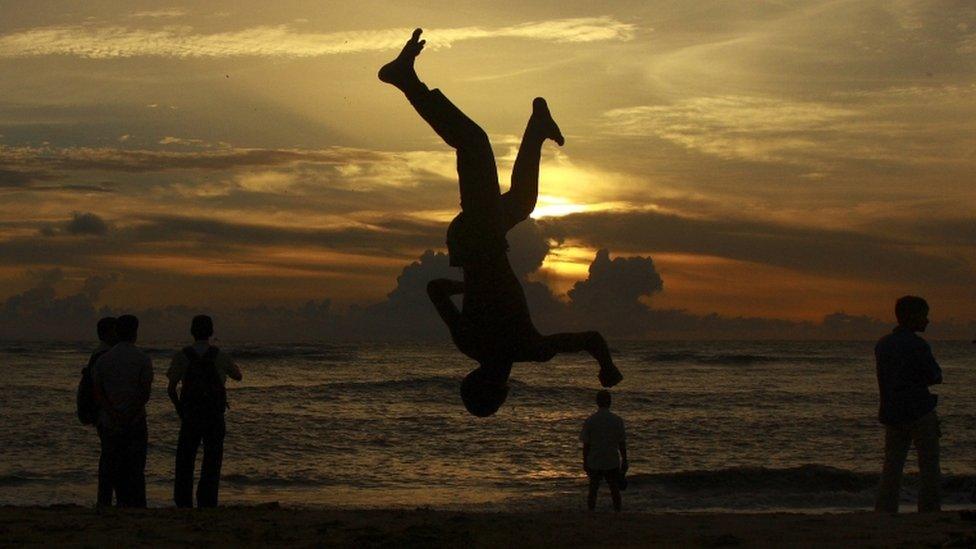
(782, 160)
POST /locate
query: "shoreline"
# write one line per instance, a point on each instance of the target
(276, 525)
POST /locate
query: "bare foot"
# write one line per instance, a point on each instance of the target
(400, 70)
(610, 376)
(542, 118)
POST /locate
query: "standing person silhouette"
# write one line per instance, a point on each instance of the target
(604, 451)
(494, 326)
(201, 370)
(123, 377)
(906, 369)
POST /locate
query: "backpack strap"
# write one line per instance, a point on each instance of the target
(190, 353)
(211, 355)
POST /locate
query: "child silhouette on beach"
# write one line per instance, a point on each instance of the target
(494, 326)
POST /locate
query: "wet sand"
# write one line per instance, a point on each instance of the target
(273, 525)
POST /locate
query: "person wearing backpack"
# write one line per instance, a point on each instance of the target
(200, 370)
(88, 407)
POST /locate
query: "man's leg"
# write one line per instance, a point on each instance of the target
(477, 174)
(613, 478)
(520, 199)
(139, 452)
(104, 472)
(593, 489)
(186, 456)
(925, 435)
(213, 457)
(131, 454)
(591, 342)
(112, 448)
(897, 441)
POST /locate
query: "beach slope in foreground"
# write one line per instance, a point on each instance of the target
(71, 525)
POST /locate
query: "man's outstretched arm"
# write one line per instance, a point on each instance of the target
(440, 292)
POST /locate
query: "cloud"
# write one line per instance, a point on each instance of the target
(408, 311)
(610, 299)
(615, 285)
(823, 251)
(16, 179)
(760, 129)
(142, 160)
(282, 41)
(39, 313)
(189, 244)
(159, 14)
(80, 224)
(86, 224)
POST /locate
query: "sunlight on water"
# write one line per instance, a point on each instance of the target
(728, 425)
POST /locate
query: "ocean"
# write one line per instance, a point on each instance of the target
(711, 425)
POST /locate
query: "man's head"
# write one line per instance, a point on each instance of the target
(484, 391)
(912, 312)
(127, 327)
(603, 398)
(201, 327)
(106, 331)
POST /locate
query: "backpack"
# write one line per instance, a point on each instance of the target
(86, 405)
(202, 395)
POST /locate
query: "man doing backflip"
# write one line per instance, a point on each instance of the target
(494, 326)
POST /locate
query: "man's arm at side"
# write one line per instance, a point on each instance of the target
(146, 380)
(175, 373)
(174, 397)
(624, 465)
(232, 369)
(931, 371)
(585, 439)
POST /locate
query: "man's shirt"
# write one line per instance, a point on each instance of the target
(123, 381)
(179, 364)
(603, 431)
(905, 369)
(102, 347)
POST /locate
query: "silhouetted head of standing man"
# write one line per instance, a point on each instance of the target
(106, 331)
(603, 399)
(201, 328)
(127, 328)
(912, 313)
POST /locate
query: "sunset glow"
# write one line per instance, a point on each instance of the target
(787, 161)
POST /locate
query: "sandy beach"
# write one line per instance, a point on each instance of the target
(273, 525)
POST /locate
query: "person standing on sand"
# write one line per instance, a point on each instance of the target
(906, 369)
(123, 382)
(201, 370)
(604, 450)
(494, 326)
(107, 338)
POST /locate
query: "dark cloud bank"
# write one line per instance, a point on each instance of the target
(616, 298)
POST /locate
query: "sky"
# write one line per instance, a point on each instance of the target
(728, 167)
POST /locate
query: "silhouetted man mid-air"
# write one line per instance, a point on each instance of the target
(201, 371)
(906, 369)
(493, 326)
